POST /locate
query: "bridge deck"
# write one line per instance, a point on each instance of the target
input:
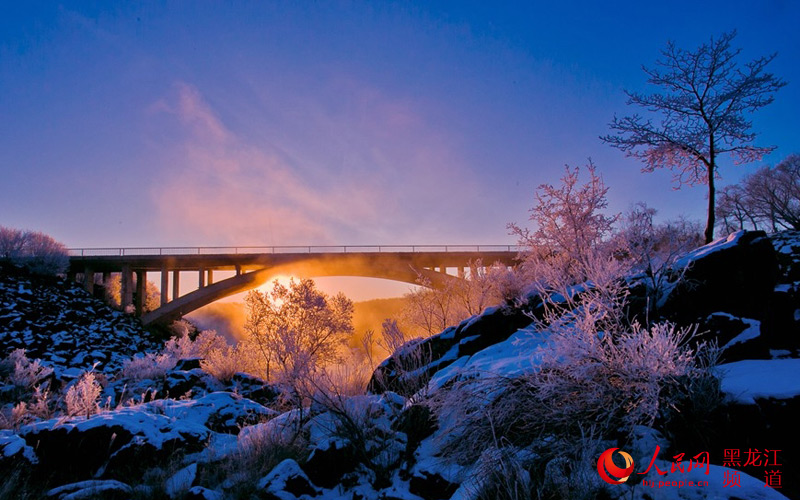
(399, 263)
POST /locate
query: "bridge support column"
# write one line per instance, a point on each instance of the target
(126, 287)
(141, 291)
(164, 285)
(210, 277)
(238, 269)
(201, 282)
(106, 278)
(88, 279)
(461, 273)
(176, 284)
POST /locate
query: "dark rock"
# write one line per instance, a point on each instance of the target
(493, 326)
(254, 388)
(179, 382)
(417, 422)
(186, 364)
(738, 278)
(287, 477)
(326, 466)
(200, 493)
(113, 443)
(431, 486)
(766, 425)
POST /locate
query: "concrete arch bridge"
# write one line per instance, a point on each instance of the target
(254, 266)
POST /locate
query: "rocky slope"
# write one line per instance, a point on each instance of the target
(61, 324)
(233, 440)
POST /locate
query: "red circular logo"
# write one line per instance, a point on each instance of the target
(604, 463)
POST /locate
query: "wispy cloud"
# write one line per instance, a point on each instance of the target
(391, 169)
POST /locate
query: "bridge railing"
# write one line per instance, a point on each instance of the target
(244, 250)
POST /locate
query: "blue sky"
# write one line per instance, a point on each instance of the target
(270, 123)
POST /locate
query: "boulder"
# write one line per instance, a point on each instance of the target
(422, 359)
(288, 477)
(111, 443)
(736, 275)
(431, 486)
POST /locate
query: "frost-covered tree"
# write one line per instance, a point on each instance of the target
(700, 113)
(297, 328)
(649, 245)
(570, 222)
(152, 296)
(33, 250)
(769, 199)
(429, 311)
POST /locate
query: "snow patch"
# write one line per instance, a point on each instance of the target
(747, 380)
(723, 243)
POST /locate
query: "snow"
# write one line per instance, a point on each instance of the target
(747, 380)
(514, 356)
(276, 480)
(752, 331)
(723, 243)
(181, 481)
(88, 489)
(11, 444)
(144, 426)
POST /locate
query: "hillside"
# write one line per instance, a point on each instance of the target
(455, 416)
(61, 324)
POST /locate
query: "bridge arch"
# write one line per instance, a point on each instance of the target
(255, 269)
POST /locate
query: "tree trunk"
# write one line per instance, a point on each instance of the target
(711, 165)
(709, 233)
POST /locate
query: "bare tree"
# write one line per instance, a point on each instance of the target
(769, 198)
(703, 105)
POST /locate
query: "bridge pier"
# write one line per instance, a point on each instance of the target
(141, 291)
(210, 280)
(88, 279)
(126, 287)
(176, 284)
(201, 282)
(164, 285)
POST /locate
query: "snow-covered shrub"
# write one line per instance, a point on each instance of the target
(181, 328)
(82, 398)
(12, 417)
(155, 365)
(41, 404)
(363, 426)
(149, 366)
(573, 475)
(584, 375)
(259, 449)
(21, 372)
(501, 474)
